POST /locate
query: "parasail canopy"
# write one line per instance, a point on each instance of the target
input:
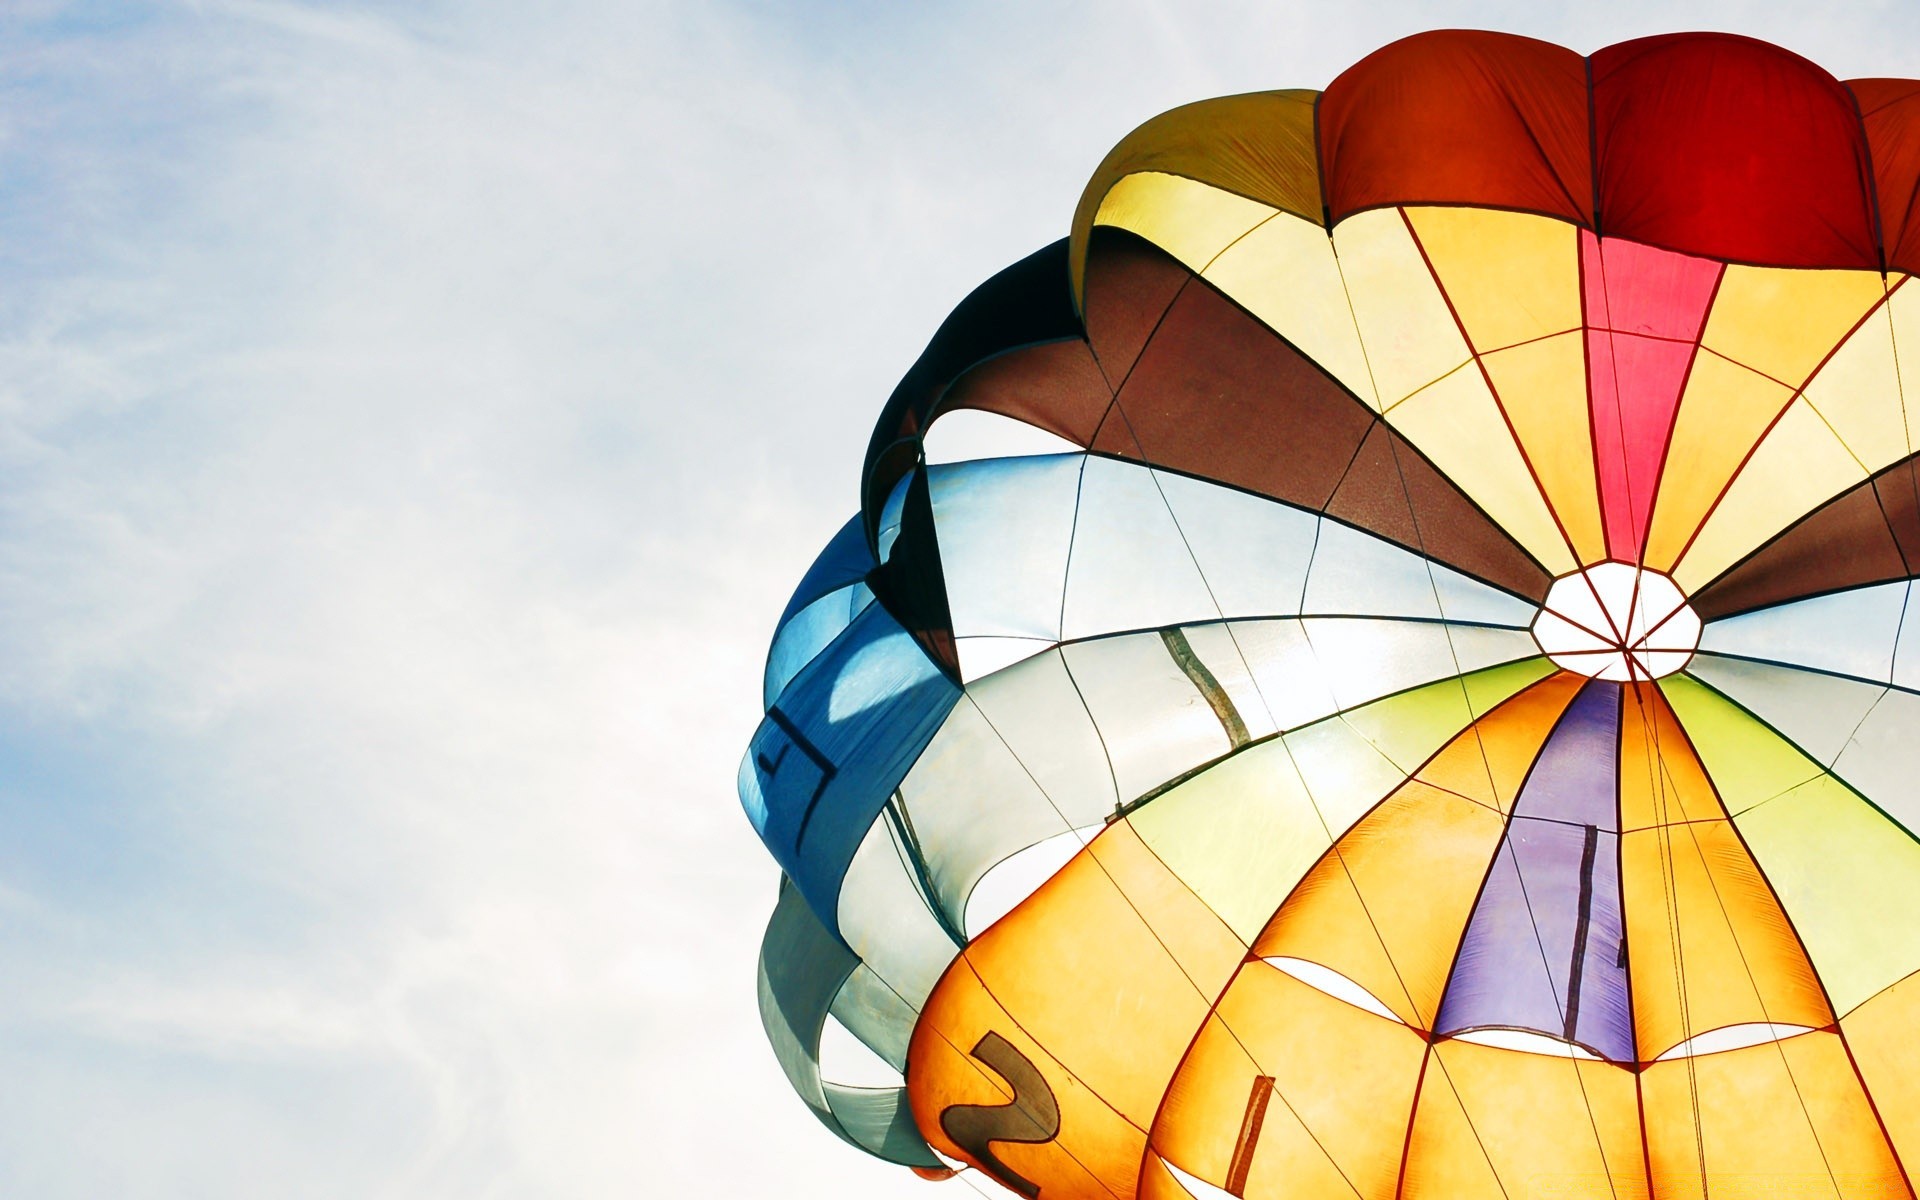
(1446, 722)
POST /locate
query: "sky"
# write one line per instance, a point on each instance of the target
(412, 420)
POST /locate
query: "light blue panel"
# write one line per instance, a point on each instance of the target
(1464, 598)
(808, 632)
(1817, 713)
(1252, 551)
(1131, 568)
(1004, 526)
(844, 562)
(1906, 655)
(1355, 574)
(1848, 633)
(1882, 759)
(890, 516)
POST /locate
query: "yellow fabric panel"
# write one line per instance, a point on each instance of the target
(1849, 879)
(1457, 423)
(1799, 465)
(1777, 1119)
(1723, 412)
(1661, 781)
(1542, 386)
(1156, 1183)
(1511, 277)
(1240, 834)
(1490, 760)
(1408, 332)
(1747, 762)
(1261, 146)
(1707, 943)
(1095, 1156)
(1343, 1086)
(1580, 1135)
(1112, 942)
(1783, 322)
(1386, 907)
(1189, 220)
(1880, 1033)
(1859, 392)
(1285, 273)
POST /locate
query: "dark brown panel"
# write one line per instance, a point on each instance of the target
(1847, 542)
(1217, 395)
(1057, 386)
(1130, 283)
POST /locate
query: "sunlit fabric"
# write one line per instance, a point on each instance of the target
(1447, 725)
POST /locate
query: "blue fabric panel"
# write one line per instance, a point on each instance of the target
(807, 632)
(845, 561)
(840, 740)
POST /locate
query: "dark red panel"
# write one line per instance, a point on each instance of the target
(1459, 117)
(1890, 110)
(1056, 386)
(1130, 283)
(1724, 146)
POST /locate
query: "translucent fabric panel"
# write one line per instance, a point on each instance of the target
(1723, 413)
(1847, 633)
(1783, 322)
(1409, 727)
(1357, 574)
(1153, 721)
(1748, 763)
(844, 561)
(1495, 1121)
(1253, 552)
(1338, 1079)
(1131, 568)
(879, 1121)
(876, 1014)
(1004, 526)
(1880, 1035)
(982, 656)
(1882, 758)
(1406, 330)
(1285, 273)
(1541, 386)
(806, 633)
(1818, 713)
(1036, 710)
(1362, 660)
(1188, 219)
(970, 803)
(890, 515)
(1011, 880)
(1790, 1116)
(1509, 277)
(1218, 649)
(884, 917)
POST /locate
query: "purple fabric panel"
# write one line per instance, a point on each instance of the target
(1573, 779)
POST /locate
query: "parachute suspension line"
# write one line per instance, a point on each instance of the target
(907, 847)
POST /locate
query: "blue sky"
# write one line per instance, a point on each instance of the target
(412, 418)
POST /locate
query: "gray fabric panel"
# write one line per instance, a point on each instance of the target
(879, 1121)
(802, 967)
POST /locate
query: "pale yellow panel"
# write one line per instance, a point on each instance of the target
(1799, 465)
(1512, 277)
(1880, 1033)
(1458, 425)
(1286, 274)
(1408, 333)
(1862, 391)
(1187, 219)
(1542, 386)
(1784, 322)
(1723, 413)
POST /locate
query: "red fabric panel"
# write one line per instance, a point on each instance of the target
(1459, 117)
(1645, 309)
(1724, 146)
(1890, 110)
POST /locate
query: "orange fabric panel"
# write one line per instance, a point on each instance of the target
(1661, 779)
(1343, 1084)
(1880, 1033)
(1114, 946)
(1490, 760)
(1782, 1118)
(1095, 1154)
(1890, 112)
(1580, 1135)
(1459, 117)
(1387, 905)
(1707, 943)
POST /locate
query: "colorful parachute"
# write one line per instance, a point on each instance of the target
(1450, 727)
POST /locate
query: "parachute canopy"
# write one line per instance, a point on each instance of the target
(1446, 722)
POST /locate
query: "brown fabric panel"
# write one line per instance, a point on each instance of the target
(1460, 117)
(1057, 386)
(1392, 490)
(1218, 395)
(1259, 145)
(1844, 543)
(1890, 112)
(1130, 283)
(1898, 488)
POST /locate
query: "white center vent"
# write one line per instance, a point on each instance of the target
(1617, 621)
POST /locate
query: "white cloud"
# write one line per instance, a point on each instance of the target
(411, 420)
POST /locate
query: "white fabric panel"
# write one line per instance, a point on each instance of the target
(1817, 713)
(982, 656)
(1357, 574)
(1131, 568)
(1153, 720)
(1253, 552)
(1882, 760)
(971, 803)
(1848, 633)
(1036, 711)
(885, 921)
(1218, 647)
(1004, 527)
(875, 1015)
(1019, 875)
(1906, 653)
(1363, 660)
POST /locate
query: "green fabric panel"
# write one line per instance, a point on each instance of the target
(1847, 876)
(879, 1121)
(1749, 763)
(802, 967)
(1410, 727)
